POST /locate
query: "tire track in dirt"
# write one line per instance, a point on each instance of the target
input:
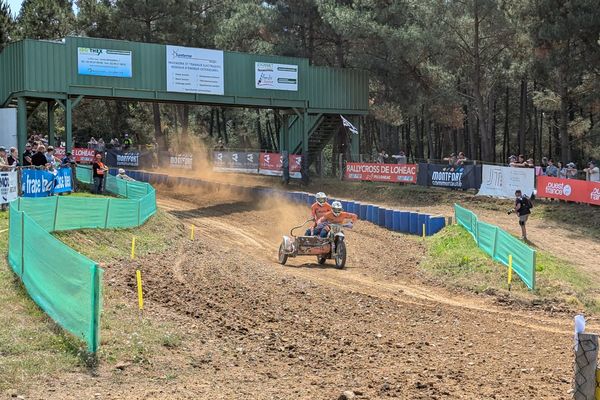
(235, 232)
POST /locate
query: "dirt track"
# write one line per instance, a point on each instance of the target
(257, 330)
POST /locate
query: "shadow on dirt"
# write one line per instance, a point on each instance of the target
(328, 265)
(217, 210)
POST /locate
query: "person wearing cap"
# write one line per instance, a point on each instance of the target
(571, 171)
(551, 169)
(593, 172)
(124, 176)
(67, 160)
(27, 155)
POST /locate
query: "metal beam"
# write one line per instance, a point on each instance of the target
(21, 124)
(51, 107)
(69, 124)
(77, 101)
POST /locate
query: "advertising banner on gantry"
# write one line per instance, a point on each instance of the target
(406, 173)
(568, 189)
(192, 70)
(497, 181)
(272, 164)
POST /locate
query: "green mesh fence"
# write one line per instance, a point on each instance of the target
(64, 283)
(499, 244)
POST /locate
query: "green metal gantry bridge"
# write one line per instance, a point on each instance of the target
(33, 72)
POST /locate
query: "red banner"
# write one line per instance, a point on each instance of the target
(568, 189)
(80, 154)
(406, 173)
(271, 164)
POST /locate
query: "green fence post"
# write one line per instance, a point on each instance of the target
(107, 210)
(55, 214)
(22, 243)
(139, 203)
(533, 271)
(495, 240)
(95, 311)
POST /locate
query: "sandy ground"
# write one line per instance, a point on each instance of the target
(257, 330)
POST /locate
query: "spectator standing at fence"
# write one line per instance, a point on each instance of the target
(3, 161)
(67, 160)
(100, 146)
(27, 155)
(551, 169)
(382, 156)
(562, 170)
(92, 143)
(523, 209)
(50, 155)
(461, 159)
(571, 171)
(13, 157)
(99, 171)
(39, 158)
(127, 142)
(593, 172)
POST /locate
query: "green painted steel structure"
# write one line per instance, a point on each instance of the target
(34, 71)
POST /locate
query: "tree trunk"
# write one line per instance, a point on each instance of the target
(522, 111)
(472, 133)
(408, 146)
(565, 153)
(158, 133)
(225, 135)
(212, 122)
(506, 137)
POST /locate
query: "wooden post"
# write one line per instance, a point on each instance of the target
(586, 361)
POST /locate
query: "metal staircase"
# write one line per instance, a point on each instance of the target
(324, 128)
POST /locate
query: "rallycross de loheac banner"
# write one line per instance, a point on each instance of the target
(235, 161)
(80, 154)
(568, 189)
(449, 176)
(405, 173)
(502, 182)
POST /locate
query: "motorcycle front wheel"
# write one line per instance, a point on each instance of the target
(340, 255)
(282, 256)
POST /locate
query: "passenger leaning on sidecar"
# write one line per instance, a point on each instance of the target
(335, 216)
(317, 210)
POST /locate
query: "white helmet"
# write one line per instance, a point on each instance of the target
(321, 197)
(336, 208)
(121, 171)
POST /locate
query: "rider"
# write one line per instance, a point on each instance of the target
(335, 216)
(319, 208)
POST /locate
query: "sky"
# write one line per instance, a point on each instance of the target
(15, 6)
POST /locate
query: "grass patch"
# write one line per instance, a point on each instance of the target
(454, 257)
(32, 346)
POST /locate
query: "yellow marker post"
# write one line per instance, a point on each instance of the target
(192, 233)
(133, 247)
(423, 231)
(509, 270)
(138, 275)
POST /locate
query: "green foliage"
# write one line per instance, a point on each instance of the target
(7, 24)
(46, 19)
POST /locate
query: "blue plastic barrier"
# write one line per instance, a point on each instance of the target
(436, 224)
(311, 199)
(396, 220)
(404, 221)
(375, 216)
(369, 214)
(414, 223)
(423, 220)
(363, 212)
(381, 218)
(389, 218)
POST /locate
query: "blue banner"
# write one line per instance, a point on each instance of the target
(37, 183)
(63, 181)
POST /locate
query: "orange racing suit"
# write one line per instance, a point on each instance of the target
(330, 218)
(317, 210)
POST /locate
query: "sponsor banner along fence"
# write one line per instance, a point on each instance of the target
(80, 154)
(272, 164)
(39, 183)
(128, 159)
(8, 186)
(444, 175)
(406, 173)
(235, 161)
(568, 189)
(181, 161)
(497, 181)
(499, 244)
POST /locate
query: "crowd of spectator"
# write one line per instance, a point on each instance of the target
(556, 169)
